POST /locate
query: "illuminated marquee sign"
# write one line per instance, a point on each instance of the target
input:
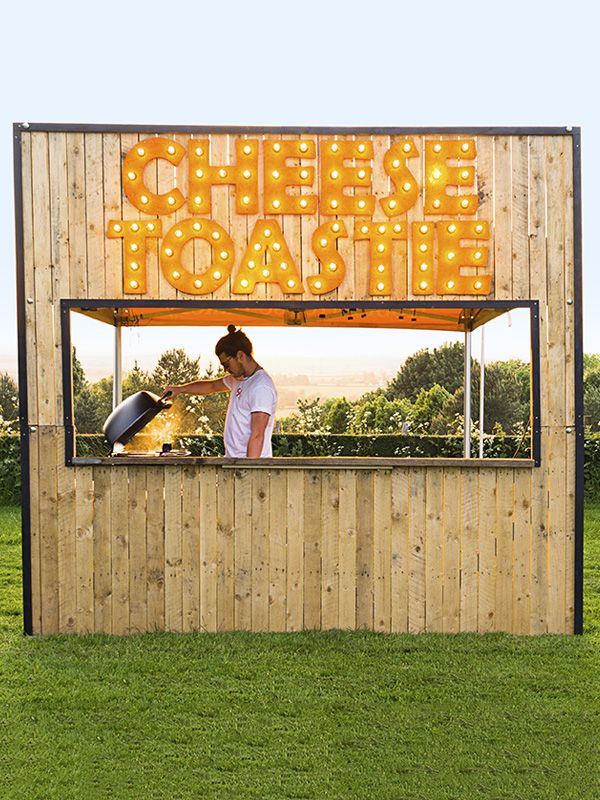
(447, 255)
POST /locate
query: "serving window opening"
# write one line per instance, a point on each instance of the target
(421, 397)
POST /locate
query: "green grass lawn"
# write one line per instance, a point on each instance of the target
(315, 715)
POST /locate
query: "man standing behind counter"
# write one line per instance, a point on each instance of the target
(252, 400)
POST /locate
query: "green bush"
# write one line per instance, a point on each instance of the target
(10, 469)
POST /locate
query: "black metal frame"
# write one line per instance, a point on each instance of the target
(67, 305)
(20, 127)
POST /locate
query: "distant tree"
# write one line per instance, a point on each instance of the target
(336, 414)
(443, 366)
(427, 407)
(175, 367)
(377, 414)
(79, 379)
(9, 398)
(137, 380)
(88, 415)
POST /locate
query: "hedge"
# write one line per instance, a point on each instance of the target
(297, 445)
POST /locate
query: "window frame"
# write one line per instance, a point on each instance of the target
(69, 305)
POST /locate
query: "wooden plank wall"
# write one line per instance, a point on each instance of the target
(211, 549)
(214, 549)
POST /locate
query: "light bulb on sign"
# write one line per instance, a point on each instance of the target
(171, 149)
(171, 200)
(168, 251)
(303, 203)
(132, 176)
(178, 233)
(150, 226)
(216, 235)
(197, 226)
(423, 285)
(198, 283)
(176, 275)
(224, 254)
(381, 286)
(216, 275)
(247, 149)
(392, 204)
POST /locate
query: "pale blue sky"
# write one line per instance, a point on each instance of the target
(308, 63)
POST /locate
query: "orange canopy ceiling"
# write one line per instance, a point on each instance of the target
(421, 318)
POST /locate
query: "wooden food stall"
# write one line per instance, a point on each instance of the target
(438, 229)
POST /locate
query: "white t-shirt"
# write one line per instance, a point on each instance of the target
(256, 393)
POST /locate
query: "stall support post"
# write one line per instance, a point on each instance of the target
(117, 371)
(467, 409)
(481, 391)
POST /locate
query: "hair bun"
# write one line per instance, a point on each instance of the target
(231, 328)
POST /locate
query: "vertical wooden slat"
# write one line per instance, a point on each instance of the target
(485, 192)
(34, 531)
(504, 548)
(260, 550)
(225, 551)
(469, 550)
(94, 199)
(557, 601)
(220, 155)
(59, 213)
(487, 551)
(102, 529)
(416, 538)
(173, 549)
(84, 549)
(243, 550)
(364, 549)
(208, 549)
(119, 489)
(519, 217)
(277, 550)
(555, 281)
(295, 550)
(111, 190)
(347, 550)
(190, 549)
(539, 541)
(434, 580)
(29, 283)
(522, 552)
(400, 549)
(502, 218)
(382, 551)
(43, 277)
(155, 548)
(452, 508)
(330, 500)
(138, 617)
(48, 499)
(65, 512)
(312, 549)
(77, 215)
